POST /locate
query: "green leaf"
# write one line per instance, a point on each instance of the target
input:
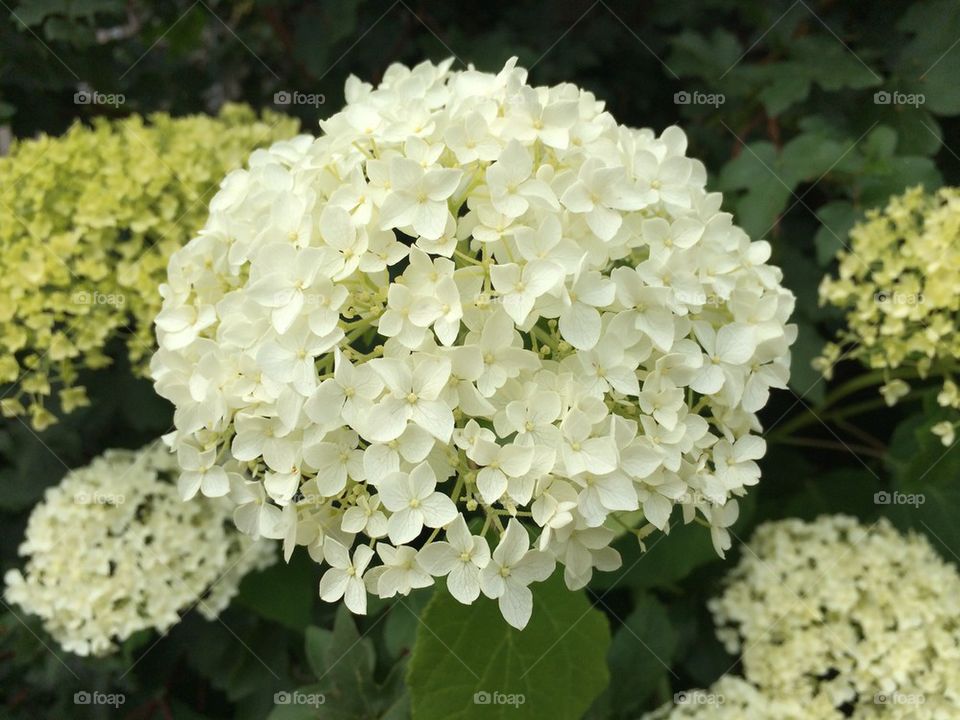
(809, 156)
(403, 620)
(640, 656)
(836, 220)
(899, 174)
(697, 55)
(832, 65)
(344, 663)
(926, 471)
(752, 166)
(929, 56)
(293, 606)
(466, 655)
(667, 560)
(790, 85)
(757, 170)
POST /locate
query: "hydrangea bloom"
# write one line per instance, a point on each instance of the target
(113, 550)
(472, 297)
(87, 223)
(845, 620)
(897, 284)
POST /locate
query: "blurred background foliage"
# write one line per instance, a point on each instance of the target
(806, 114)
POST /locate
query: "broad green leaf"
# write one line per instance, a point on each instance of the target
(836, 220)
(790, 84)
(809, 156)
(754, 164)
(346, 688)
(832, 65)
(640, 656)
(403, 620)
(667, 560)
(293, 606)
(925, 472)
(901, 173)
(708, 57)
(469, 663)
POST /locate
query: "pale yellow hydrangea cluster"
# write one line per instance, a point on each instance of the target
(87, 223)
(897, 284)
(113, 550)
(846, 620)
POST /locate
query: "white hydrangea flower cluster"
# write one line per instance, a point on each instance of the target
(848, 621)
(114, 550)
(470, 298)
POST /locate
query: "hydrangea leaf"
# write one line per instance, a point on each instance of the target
(667, 560)
(292, 607)
(926, 470)
(640, 656)
(468, 663)
(836, 219)
(346, 688)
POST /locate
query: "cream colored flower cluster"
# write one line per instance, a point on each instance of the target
(470, 298)
(87, 223)
(845, 620)
(897, 284)
(113, 550)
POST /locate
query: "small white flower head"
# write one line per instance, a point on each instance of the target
(896, 285)
(471, 298)
(833, 614)
(146, 557)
